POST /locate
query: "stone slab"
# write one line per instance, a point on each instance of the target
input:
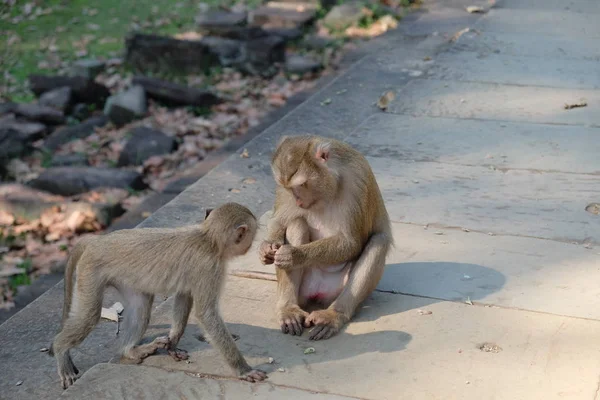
(392, 350)
(513, 202)
(530, 45)
(504, 145)
(33, 328)
(554, 22)
(430, 97)
(506, 271)
(526, 71)
(110, 381)
(578, 6)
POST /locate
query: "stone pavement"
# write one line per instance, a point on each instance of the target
(492, 289)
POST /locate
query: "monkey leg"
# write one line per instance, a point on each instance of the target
(181, 313)
(219, 336)
(83, 317)
(291, 315)
(363, 279)
(135, 322)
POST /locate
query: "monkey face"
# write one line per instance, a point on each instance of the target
(300, 166)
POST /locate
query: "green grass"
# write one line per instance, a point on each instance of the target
(104, 23)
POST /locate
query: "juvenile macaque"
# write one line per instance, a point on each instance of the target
(188, 262)
(329, 235)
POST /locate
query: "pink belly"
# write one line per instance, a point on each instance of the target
(324, 285)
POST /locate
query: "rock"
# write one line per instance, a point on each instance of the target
(287, 34)
(68, 160)
(173, 94)
(296, 64)
(79, 131)
(84, 90)
(68, 181)
(153, 53)
(35, 112)
(7, 108)
(343, 16)
(28, 204)
(145, 143)
(11, 145)
(262, 54)
(216, 21)
(243, 33)
(28, 131)
(60, 99)
(284, 15)
(315, 42)
(228, 51)
(126, 106)
(87, 68)
(80, 111)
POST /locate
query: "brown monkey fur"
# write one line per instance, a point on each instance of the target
(189, 262)
(329, 235)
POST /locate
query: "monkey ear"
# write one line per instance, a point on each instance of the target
(322, 153)
(282, 139)
(240, 232)
(208, 211)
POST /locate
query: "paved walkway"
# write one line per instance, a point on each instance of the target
(493, 289)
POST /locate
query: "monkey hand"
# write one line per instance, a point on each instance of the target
(326, 324)
(267, 252)
(254, 375)
(287, 257)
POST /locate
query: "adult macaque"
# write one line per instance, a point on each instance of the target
(188, 262)
(329, 235)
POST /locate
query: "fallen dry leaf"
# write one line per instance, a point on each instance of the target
(475, 9)
(385, 100)
(245, 154)
(581, 103)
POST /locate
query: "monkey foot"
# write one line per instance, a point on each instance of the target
(137, 354)
(255, 375)
(292, 320)
(326, 324)
(68, 375)
(178, 354)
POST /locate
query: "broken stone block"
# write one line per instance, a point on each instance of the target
(216, 21)
(297, 64)
(126, 106)
(145, 143)
(283, 15)
(262, 55)
(69, 160)
(11, 145)
(60, 99)
(166, 54)
(69, 181)
(87, 68)
(173, 94)
(343, 16)
(315, 42)
(84, 90)
(287, 34)
(79, 131)
(44, 114)
(28, 131)
(228, 51)
(242, 33)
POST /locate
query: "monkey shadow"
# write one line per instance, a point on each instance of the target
(403, 289)
(433, 282)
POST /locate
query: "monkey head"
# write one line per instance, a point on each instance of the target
(236, 223)
(304, 167)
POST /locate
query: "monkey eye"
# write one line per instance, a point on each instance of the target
(305, 184)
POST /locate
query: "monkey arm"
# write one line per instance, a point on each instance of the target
(275, 232)
(329, 251)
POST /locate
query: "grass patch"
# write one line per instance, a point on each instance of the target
(80, 29)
